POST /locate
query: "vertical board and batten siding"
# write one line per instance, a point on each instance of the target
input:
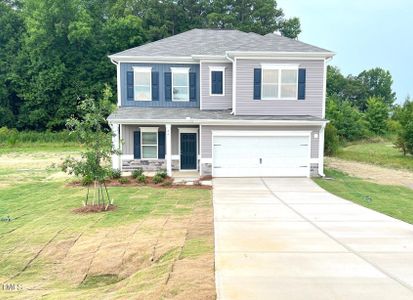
(212, 102)
(311, 105)
(161, 69)
(206, 135)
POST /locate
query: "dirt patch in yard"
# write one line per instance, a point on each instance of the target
(372, 173)
(168, 257)
(94, 209)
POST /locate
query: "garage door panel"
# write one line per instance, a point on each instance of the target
(255, 156)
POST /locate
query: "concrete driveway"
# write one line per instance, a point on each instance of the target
(279, 238)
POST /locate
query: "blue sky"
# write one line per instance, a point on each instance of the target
(363, 34)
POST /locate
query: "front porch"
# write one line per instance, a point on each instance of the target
(174, 148)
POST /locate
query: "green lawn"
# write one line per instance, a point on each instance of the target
(395, 201)
(39, 147)
(380, 153)
(127, 253)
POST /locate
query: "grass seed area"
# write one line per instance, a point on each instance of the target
(380, 153)
(157, 244)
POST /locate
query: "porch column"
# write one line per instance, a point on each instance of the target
(168, 152)
(115, 144)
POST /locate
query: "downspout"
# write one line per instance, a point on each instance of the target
(322, 129)
(233, 81)
(117, 80)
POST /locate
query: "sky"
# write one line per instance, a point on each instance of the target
(363, 33)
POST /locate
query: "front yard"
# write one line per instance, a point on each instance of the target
(395, 201)
(380, 153)
(157, 244)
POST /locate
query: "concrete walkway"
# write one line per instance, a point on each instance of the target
(278, 238)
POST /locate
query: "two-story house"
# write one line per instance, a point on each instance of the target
(222, 102)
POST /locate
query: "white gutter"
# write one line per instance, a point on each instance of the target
(219, 122)
(176, 59)
(280, 54)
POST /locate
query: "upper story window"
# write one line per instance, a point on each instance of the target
(149, 142)
(217, 81)
(279, 82)
(180, 84)
(142, 83)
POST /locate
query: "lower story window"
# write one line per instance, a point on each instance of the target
(149, 145)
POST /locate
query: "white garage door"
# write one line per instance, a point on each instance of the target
(254, 156)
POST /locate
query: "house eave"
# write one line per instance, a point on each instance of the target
(272, 54)
(152, 59)
(220, 122)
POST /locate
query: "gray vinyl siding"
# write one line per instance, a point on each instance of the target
(206, 135)
(127, 137)
(161, 68)
(175, 138)
(312, 105)
(216, 101)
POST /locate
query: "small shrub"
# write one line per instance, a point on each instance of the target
(136, 173)
(166, 183)
(157, 179)
(141, 178)
(115, 174)
(332, 142)
(123, 180)
(162, 173)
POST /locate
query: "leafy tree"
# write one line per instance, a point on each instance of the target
(259, 16)
(346, 118)
(65, 56)
(11, 24)
(378, 83)
(92, 132)
(405, 139)
(358, 89)
(376, 115)
(291, 27)
(332, 141)
(404, 115)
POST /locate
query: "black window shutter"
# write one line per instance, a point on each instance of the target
(217, 82)
(168, 86)
(129, 85)
(213, 82)
(301, 84)
(136, 144)
(155, 86)
(257, 84)
(161, 144)
(192, 86)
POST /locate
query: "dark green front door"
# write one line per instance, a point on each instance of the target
(188, 151)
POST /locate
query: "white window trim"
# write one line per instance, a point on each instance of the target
(280, 68)
(137, 70)
(152, 130)
(219, 69)
(179, 71)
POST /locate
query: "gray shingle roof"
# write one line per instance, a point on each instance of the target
(217, 42)
(167, 113)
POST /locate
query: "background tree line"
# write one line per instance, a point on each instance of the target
(363, 106)
(53, 53)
